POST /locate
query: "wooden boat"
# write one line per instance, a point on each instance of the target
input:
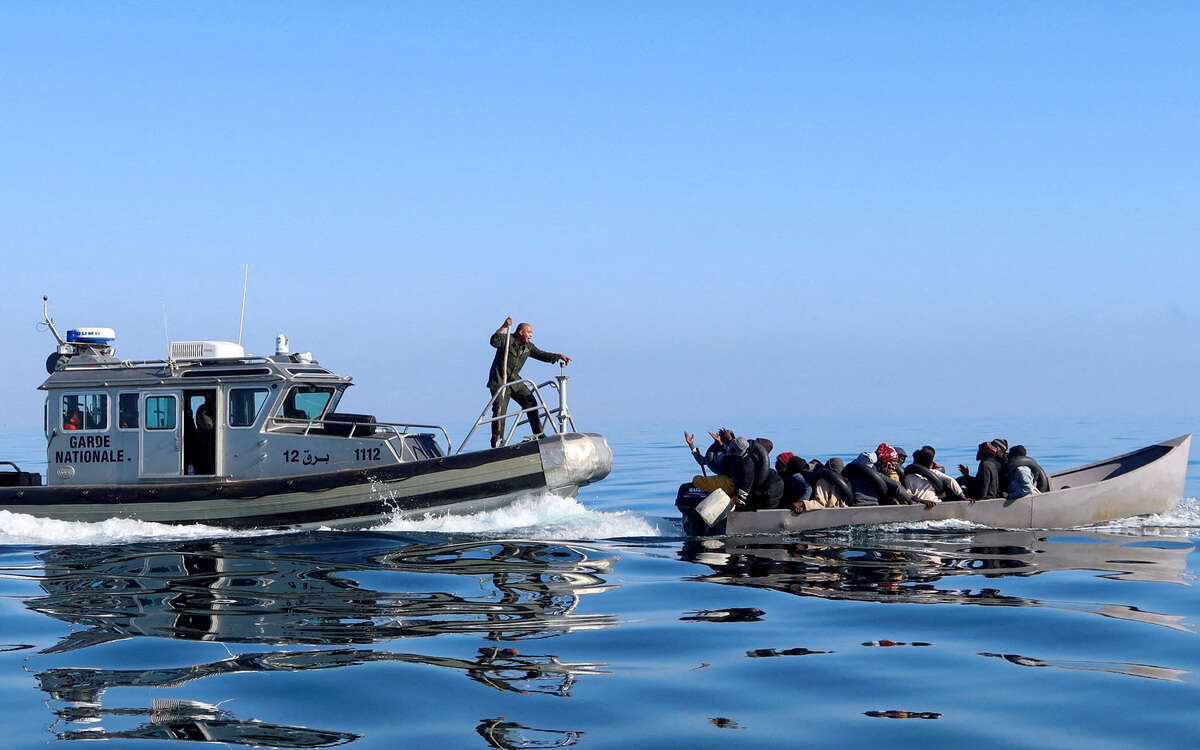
(1144, 481)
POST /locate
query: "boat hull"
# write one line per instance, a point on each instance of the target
(1149, 480)
(463, 483)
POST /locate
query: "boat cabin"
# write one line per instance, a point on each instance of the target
(209, 411)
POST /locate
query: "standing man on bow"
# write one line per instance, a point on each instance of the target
(511, 352)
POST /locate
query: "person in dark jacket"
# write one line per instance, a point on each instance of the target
(1023, 475)
(872, 487)
(986, 482)
(747, 462)
(714, 458)
(796, 487)
(519, 348)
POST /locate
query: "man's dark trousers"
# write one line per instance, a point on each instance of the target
(525, 399)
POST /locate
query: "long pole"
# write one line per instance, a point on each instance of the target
(504, 387)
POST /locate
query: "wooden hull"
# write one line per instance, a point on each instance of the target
(1149, 480)
(464, 483)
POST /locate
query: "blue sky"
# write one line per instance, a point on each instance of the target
(783, 210)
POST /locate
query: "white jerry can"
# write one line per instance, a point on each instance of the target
(714, 507)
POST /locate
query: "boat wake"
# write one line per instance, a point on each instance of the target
(544, 516)
(540, 516)
(1182, 520)
(17, 528)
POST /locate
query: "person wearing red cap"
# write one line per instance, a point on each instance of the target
(870, 485)
(887, 460)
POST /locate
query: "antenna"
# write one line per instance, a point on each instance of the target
(166, 335)
(245, 283)
(48, 321)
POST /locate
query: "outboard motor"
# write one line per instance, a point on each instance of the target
(686, 500)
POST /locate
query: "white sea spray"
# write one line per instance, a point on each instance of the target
(537, 516)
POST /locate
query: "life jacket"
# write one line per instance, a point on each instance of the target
(941, 487)
(837, 481)
(74, 422)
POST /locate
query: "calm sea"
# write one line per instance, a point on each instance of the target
(593, 623)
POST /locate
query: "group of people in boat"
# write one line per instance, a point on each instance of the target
(743, 469)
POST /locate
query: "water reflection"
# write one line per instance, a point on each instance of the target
(908, 568)
(334, 594)
(895, 713)
(503, 669)
(512, 735)
(1116, 667)
(193, 721)
(313, 592)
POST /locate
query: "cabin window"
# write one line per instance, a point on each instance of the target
(85, 411)
(305, 402)
(127, 411)
(160, 412)
(245, 405)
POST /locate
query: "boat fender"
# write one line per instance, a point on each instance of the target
(1011, 466)
(714, 507)
(940, 487)
(868, 475)
(840, 485)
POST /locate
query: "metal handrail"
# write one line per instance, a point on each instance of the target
(150, 363)
(559, 426)
(388, 427)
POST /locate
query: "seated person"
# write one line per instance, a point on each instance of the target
(928, 485)
(748, 465)
(985, 485)
(795, 484)
(887, 460)
(870, 486)
(714, 457)
(829, 488)
(1022, 475)
(933, 454)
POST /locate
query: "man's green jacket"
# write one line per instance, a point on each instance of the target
(517, 354)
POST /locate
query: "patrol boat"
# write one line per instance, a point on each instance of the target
(213, 435)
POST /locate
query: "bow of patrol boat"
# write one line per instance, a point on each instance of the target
(573, 460)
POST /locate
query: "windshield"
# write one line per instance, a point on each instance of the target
(305, 402)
